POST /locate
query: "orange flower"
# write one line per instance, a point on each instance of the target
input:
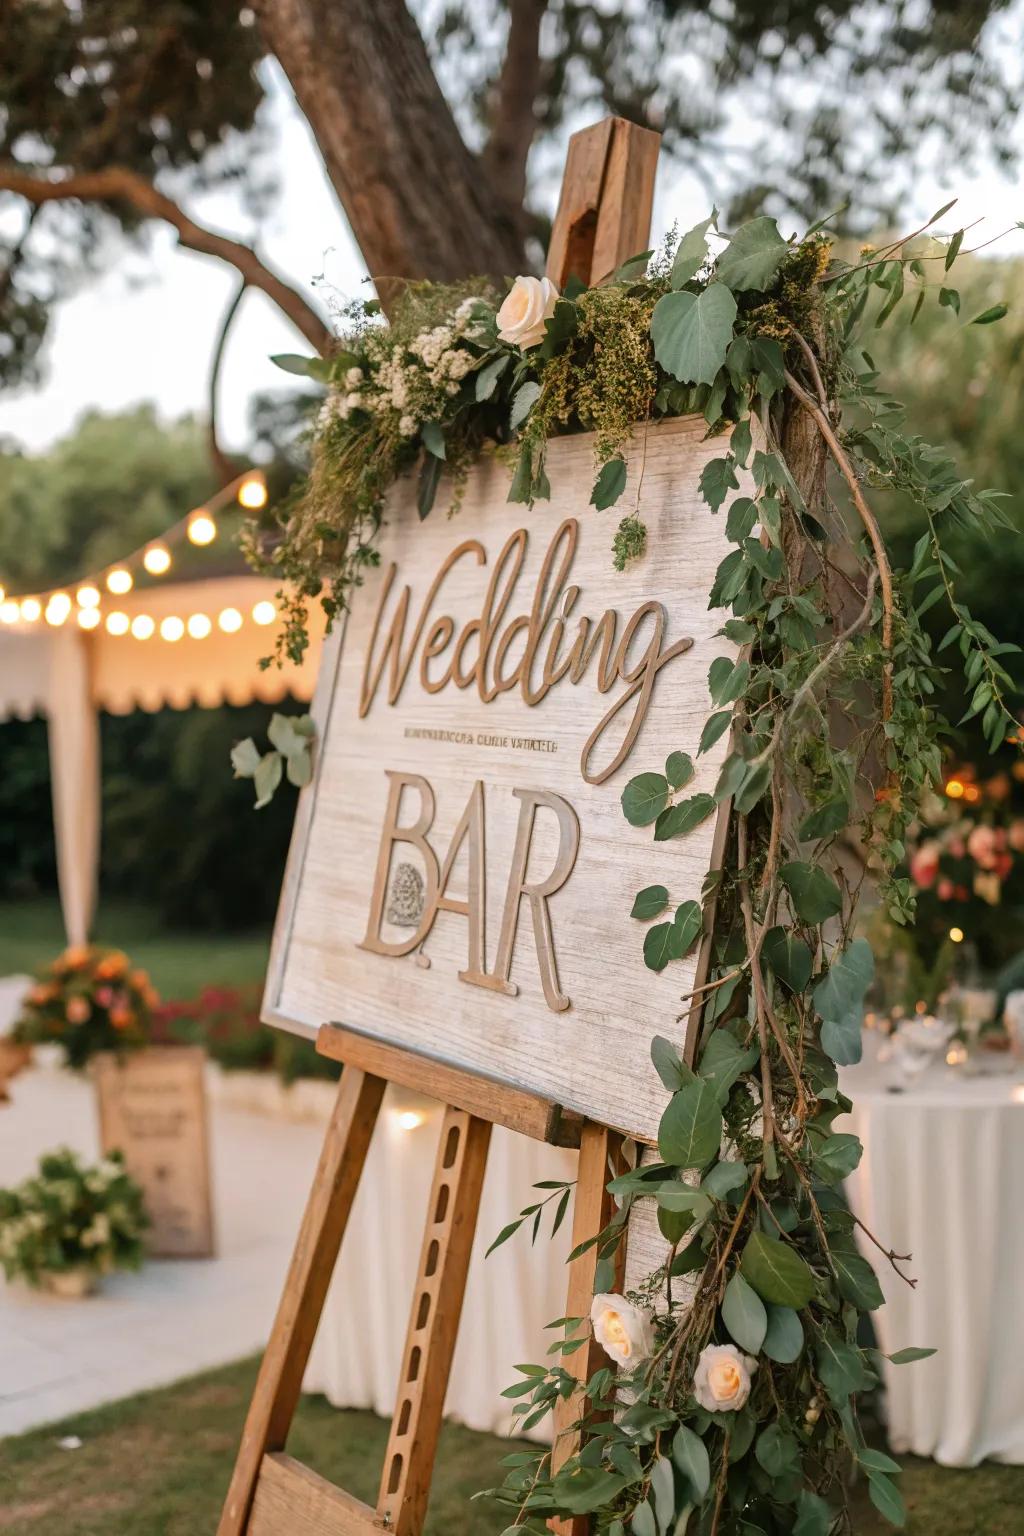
(112, 967)
(138, 979)
(77, 1010)
(44, 992)
(151, 997)
(122, 1018)
(74, 957)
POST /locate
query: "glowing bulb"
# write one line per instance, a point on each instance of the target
(118, 623)
(157, 559)
(972, 792)
(201, 528)
(955, 789)
(88, 597)
(9, 612)
(142, 626)
(252, 493)
(119, 581)
(58, 608)
(3, 594)
(408, 1119)
(199, 626)
(30, 610)
(957, 935)
(229, 620)
(88, 618)
(264, 613)
(171, 628)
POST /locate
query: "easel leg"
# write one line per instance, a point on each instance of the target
(433, 1321)
(592, 1211)
(316, 1251)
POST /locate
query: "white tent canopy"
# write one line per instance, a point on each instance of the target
(69, 674)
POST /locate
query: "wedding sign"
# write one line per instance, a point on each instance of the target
(152, 1108)
(462, 873)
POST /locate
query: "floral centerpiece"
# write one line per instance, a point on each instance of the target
(89, 999)
(70, 1224)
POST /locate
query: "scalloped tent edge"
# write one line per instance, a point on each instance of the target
(69, 675)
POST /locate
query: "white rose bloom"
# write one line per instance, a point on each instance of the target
(529, 303)
(353, 378)
(623, 1330)
(721, 1382)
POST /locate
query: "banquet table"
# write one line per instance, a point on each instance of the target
(942, 1178)
(510, 1296)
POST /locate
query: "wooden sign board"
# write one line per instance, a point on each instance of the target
(152, 1107)
(461, 874)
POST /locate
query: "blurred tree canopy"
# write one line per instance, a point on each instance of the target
(962, 386)
(114, 482)
(115, 112)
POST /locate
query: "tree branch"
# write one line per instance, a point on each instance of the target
(221, 463)
(118, 184)
(514, 120)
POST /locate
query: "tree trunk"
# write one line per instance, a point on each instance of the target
(418, 201)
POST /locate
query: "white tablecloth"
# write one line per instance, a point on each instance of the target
(509, 1297)
(942, 1177)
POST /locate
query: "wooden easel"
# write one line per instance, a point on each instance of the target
(603, 218)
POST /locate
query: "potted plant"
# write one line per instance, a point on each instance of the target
(89, 999)
(67, 1225)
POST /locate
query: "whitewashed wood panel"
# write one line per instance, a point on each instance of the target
(594, 1055)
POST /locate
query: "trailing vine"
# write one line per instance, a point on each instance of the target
(733, 1409)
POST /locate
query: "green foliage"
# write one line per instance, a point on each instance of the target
(833, 694)
(68, 1217)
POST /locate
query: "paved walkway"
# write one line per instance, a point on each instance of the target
(174, 1317)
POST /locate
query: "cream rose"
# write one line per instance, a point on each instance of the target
(529, 303)
(623, 1330)
(721, 1382)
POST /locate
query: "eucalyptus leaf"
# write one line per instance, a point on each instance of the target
(649, 902)
(784, 1337)
(678, 769)
(523, 402)
(488, 376)
(432, 436)
(267, 777)
(690, 1132)
(839, 998)
(744, 1315)
(814, 893)
(789, 957)
(690, 253)
(691, 1457)
(609, 485)
(679, 819)
(245, 758)
(668, 1064)
(776, 1271)
(662, 943)
(644, 798)
(752, 257)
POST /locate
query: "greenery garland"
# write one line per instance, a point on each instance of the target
(733, 1409)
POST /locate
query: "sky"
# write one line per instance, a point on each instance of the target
(144, 331)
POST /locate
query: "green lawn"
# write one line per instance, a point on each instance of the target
(158, 1465)
(179, 963)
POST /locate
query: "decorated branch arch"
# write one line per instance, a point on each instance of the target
(596, 794)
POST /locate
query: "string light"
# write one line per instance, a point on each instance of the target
(58, 608)
(142, 626)
(3, 594)
(972, 793)
(88, 597)
(31, 609)
(957, 935)
(171, 628)
(88, 618)
(201, 528)
(10, 613)
(157, 559)
(408, 1119)
(119, 581)
(955, 789)
(199, 626)
(264, 613)
(252, 492)
(229, 620)
(118, 623)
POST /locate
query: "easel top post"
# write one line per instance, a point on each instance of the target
(604, 210)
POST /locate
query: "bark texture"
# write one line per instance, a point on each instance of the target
(419, 203)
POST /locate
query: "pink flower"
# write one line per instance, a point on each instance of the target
(1016, 836)
(77, 1010)
(982, 844)
(104, 996)
(945, 889)
(924, 864)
